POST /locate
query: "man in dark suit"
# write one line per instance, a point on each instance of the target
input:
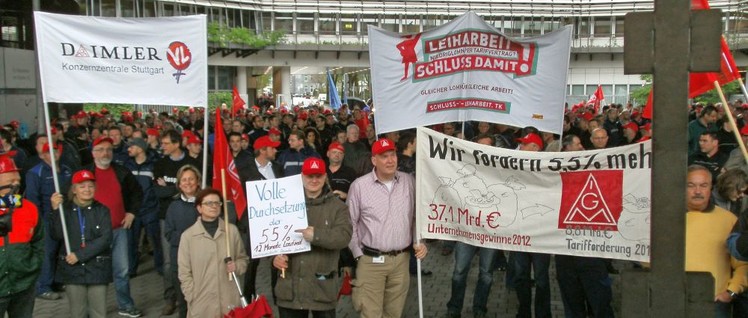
(263, 167)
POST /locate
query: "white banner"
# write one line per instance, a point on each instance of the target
(585, 203)
(158, 61)
(468, 70)
(276, 209)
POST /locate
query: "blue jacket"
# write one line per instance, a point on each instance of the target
(180, 216)
(144, 174)
(40, 185)
(94, 265)
(292, 160)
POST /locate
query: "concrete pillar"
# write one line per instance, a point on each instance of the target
(282, 84)
(241, 84)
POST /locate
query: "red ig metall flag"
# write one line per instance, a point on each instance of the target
(224, 160)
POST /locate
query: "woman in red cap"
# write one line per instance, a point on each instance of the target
(87, 270)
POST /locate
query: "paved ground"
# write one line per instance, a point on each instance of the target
(147, 291)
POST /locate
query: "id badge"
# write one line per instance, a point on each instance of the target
(378, 260)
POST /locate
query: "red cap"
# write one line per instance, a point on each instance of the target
(587, 116)
(83, 175)
(744, 131)
(193, 140)
(45, 148)
(313, 166)
(102, 139)
(381, 146)
(335, 146)
(632, 125)
(265, 141)
(245, 137)
(303, 116)
(152, 132)
(191, 110)
(15, 124)
(54, 130)
(327, 112)
(532, 138)
(175, 110)
(187, 133)
(647, 127)
(634, 114)
(104, 111)
(274, 131)
(7, 164)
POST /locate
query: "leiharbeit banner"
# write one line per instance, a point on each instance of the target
(468, 70)
(586, 203)
(161, 61)
(276, 209)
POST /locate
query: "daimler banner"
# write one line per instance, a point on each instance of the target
(468, 70)
(585, 203)
(160, 61)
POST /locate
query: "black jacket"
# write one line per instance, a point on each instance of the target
(94, 266)
(132, 194)
(248, 172)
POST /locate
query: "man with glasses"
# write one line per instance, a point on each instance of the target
(118, 190)
(165, 176)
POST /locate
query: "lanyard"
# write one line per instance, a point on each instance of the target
(82, 224)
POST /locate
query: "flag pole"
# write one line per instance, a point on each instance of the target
(742, 88)
(55, 178)
(226, 215)
(732, 121)
(205, 146)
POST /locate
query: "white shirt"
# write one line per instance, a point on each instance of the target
(266, 170)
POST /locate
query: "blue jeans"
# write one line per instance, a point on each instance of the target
(49, 260)
(584, 280)
(537, 263)
(120, 267)
(149, 221)
(463, 256)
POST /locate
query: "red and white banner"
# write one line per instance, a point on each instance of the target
(585, 203)
(161, 61)
(468, 70)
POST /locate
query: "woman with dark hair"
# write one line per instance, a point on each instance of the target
(180, 215)
(729, 190)
(313, 139)
(203, 264)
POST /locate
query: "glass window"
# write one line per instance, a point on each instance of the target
(619, 26)
(431, 21)
(551, 25)
(225, 77)
(532, 27)
(591, 90)
(412, 24)
(607, 91)
(583, 27)
(305, 23)
(513, 27)
(284, 22)
(211, 77)
(366, 21)
(602, 27)
(327, 23)
(494, 21)
(267, 21)
(577, 90)
(348, 24)
(390, 24)
(622, 94)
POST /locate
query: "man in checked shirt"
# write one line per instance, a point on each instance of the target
(382, 207)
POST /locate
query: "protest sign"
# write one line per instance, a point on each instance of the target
(585, 203)
(276, 208)
(467, 70)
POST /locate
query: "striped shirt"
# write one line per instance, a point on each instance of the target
(381, 219)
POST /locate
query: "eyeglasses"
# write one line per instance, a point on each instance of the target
(103, 150)
(212, 204)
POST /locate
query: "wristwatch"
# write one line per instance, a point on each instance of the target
(732, 293)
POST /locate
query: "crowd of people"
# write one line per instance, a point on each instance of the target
(132, 185)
